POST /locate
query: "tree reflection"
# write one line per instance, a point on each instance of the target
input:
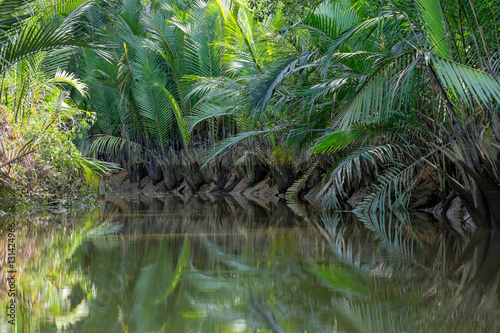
(162, 264)
(417, 284)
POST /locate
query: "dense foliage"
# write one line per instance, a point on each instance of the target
(38, 118)
(364, 93)
(377, 92)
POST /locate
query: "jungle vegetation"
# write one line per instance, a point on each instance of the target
(38, 118)
(366, 92)
(350, 93)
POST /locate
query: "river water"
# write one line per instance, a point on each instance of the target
(231, 265)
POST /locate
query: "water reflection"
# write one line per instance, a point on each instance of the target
(227, 265)
(200, 266)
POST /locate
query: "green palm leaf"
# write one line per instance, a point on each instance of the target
(152, 98)
(207, 111)
(349, 170)
(107, 143)
(431, 14)
(37, 35)
(262, 90)
(468, 84)
(228, 143)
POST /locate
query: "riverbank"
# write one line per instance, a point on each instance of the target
(426, 197)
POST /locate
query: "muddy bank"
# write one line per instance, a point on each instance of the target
(258, 175)
(263, 191)
(269, 189)
(426, 196)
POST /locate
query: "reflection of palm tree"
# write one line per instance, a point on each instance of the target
(210, 277)
(478, 271)
(455, 287)
(242, 272)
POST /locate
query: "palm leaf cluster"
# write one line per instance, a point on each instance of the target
(353, 78)
(37, 40)
(377, 92)
(139, 92)
(170, 85)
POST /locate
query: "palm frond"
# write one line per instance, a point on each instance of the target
(181, 121)
(468, 84)
(33, 37)
(225, 144)
(261, 91)
(293, 191)
(331, 19)
(101, 168)
(432, 16)
(341, 139)
(374, 99)
(116, 145)
(366, 27)
(62, 76)
(207, 111)
(153, 100)
(392, 189)
(349, 170)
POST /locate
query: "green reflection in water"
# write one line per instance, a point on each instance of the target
(165, 265)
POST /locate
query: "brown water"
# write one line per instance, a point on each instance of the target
(165, 265)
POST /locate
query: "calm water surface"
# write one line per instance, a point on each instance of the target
(229, 265)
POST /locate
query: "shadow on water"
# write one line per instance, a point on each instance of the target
(229, 265)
